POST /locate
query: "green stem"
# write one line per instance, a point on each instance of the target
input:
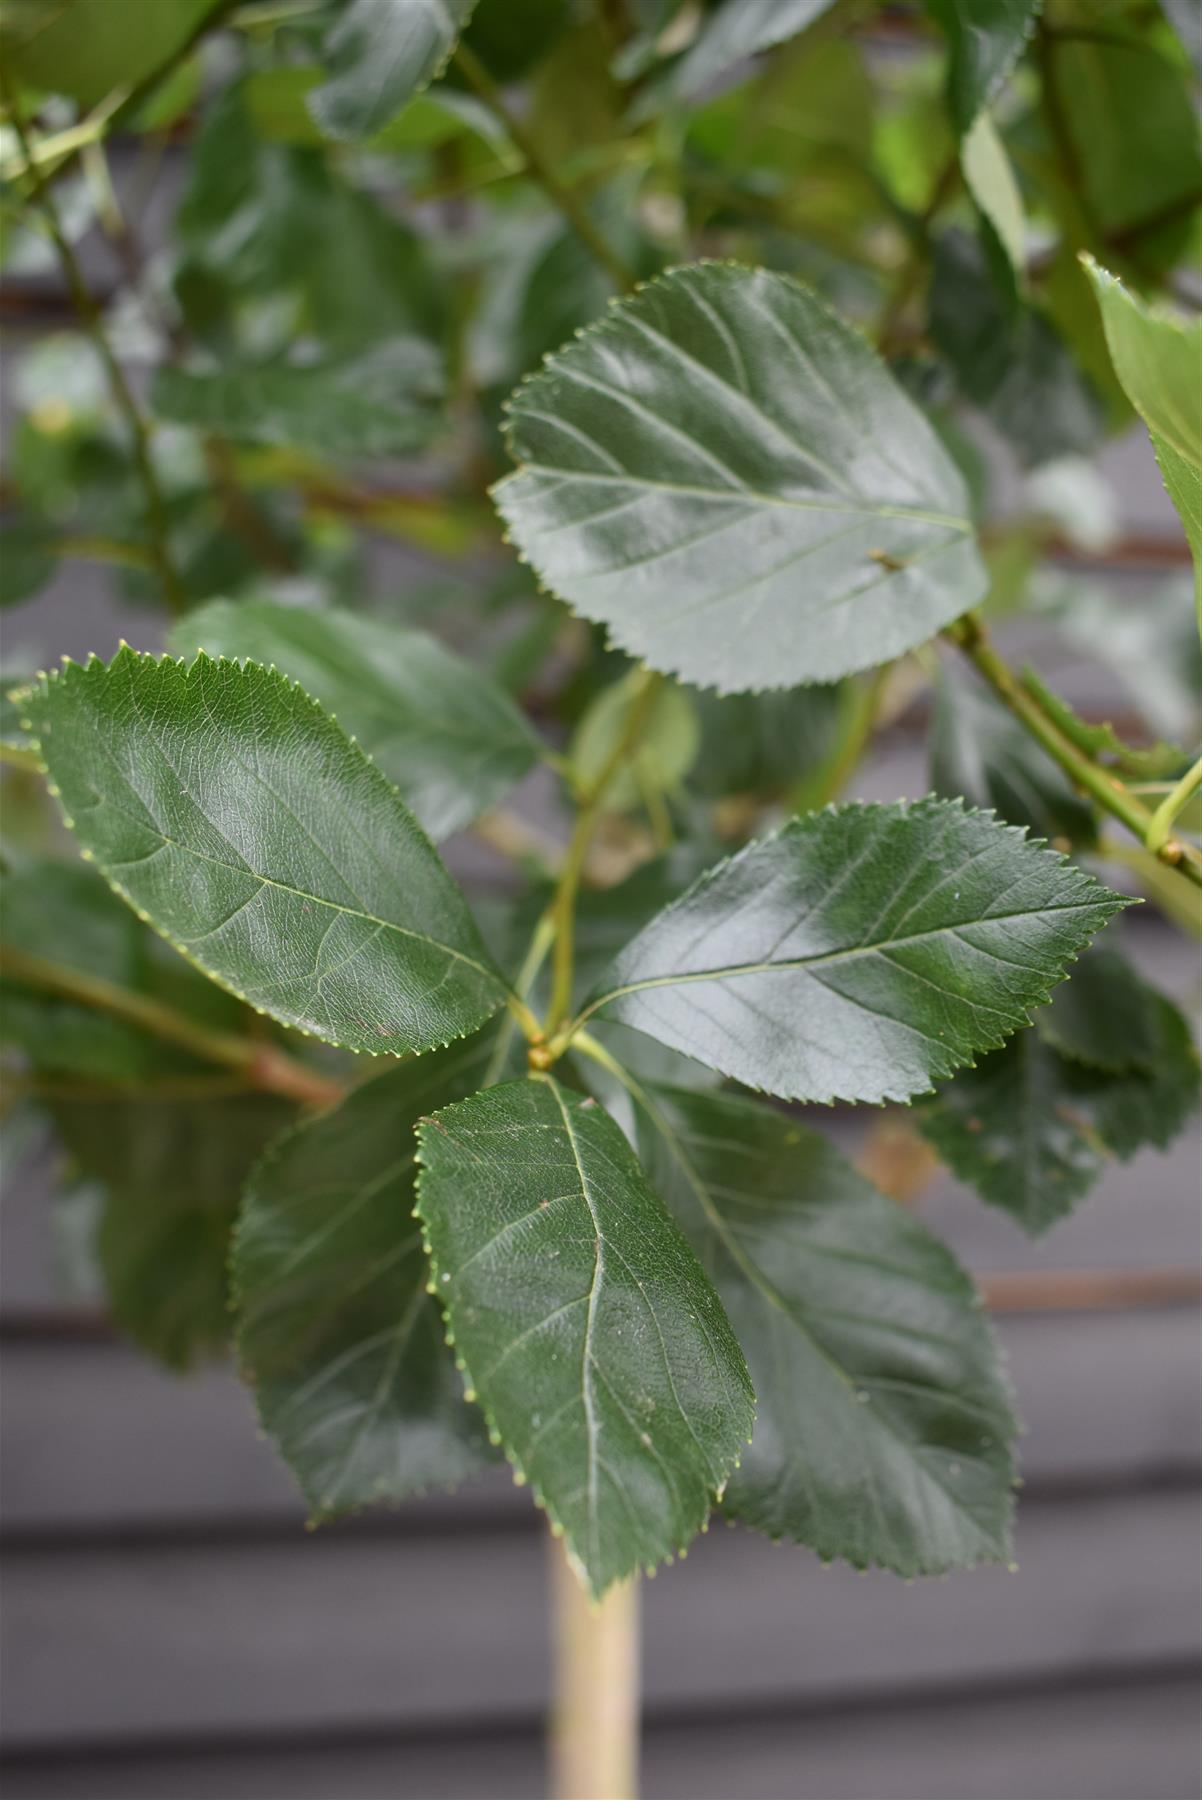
(536, 956)
(1113, 796)
(261, 1064)
(1173, 803)
(563, 906)
(89, 313)
(568, 202)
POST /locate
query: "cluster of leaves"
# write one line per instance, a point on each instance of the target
(567, 1220)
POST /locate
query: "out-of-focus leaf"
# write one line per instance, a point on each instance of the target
(862, 953)
(980, 752)
(86, 48)
(27, 559)
(991, 181)
(1149, 640)
(1158, 358)
(440, 729)
(764, 743)
(735, 30)
(1104, 1015)
(667, 743)
(378, 405)
(1101, 741)
(985, 40)
(729, 526)
(378, 54)
(336, 1332)
(239, 819)
(599, 1350)
(171, 1171)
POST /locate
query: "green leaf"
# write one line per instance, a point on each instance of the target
(738, 29)
(599, 1351)
(991, 181)
(860, 954)
(981, 753)
(1144, 1106)
(1157, 358)
(86, 48)
(376, 405)
(668, 742)
(985, 40)
(883, 1424)
(449, 738)
(1009, 1127)
(14, 735)
(1105, 1015)
(231, 812)
(379, 53)
(28, 560)
(171, 1171)
(726, 475)
(336, 1331)
(765, 743)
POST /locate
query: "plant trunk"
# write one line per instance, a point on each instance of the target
(595, 1717)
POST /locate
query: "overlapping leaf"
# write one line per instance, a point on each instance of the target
(985, 39)
(379, 53)
(883, 1425)
(336, 1331)
(725, 475)
(449, 738)
(598, 1348)
(231, 812)
(861, 954)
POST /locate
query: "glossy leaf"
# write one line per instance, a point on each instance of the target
(449, 738)
(379, 53)
(980, 752)
(231, 812)
(731, 525)
(883, 1429)
(336, 1331)
(985, 39)
(373, 406)
(861, 954)
(599, 1350)
(1157, 358)
(171, 1171)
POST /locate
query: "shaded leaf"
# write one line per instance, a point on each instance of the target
(86, 48)
(736, 30)
(668, 742)
(981, 753)
(449, 738)
(1104, 1015)
(599, 1350)
(379, 53)
(860, 954)
(883, 1425)
(1157, 358)
(985, 40)
(230, 811)
(27, 559)
(336, 1331)
(728, 525)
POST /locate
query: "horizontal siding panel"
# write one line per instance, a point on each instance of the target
(339, 1633)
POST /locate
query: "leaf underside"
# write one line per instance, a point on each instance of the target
(237, 818)
(728, 477)
(595, 1343)
(861, 954)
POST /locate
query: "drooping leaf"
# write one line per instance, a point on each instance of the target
(379, 53)
(668, 741)
(862, 953)
(171, 1171)
(883, 1425)
(376, 405)
(86, 48)
(732, 524)
(1157, 358)
(980, 752)
(336, 1331)
(231, 812)
(449, 738)
(985, 40)
(599, 1350)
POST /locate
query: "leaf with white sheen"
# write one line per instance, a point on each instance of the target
(883, 1422)
(735, 31)
(235, 816)
(862, 953)
(336, 1332)
(380, 53)
(985, 40)
(1157, 358)
(447, 735)
(597, 1347)
(728, 477)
